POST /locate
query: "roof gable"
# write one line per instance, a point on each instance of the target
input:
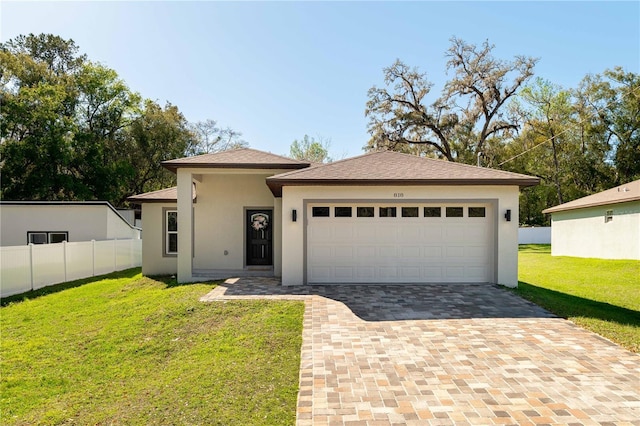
(241, 158)
(388, 167)
(620, 194)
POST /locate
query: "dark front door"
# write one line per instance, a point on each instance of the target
(259, 225)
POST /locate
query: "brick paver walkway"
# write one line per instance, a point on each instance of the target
(448, 354)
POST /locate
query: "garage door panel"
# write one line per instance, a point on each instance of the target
(386, 233)
(476, 273)
(320, 234)
(431, 233)
(320, 274)
(455, 252)
(475, 252)
(455, 235)
(344, 273)
(410, 234)
(365, 252)
(400, 249)
(454, 272)
(410, 252)
(432, 252)
(365, 273)
(385, 272)
(365, 234)
(387, 251)
(344, 252)
(432, 273)
(411, 272)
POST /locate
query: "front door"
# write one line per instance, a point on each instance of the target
(259, 225)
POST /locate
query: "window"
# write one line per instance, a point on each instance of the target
(49, 237)
(476, 212)
(608, 216)
(454, 211)
(365, 211)
(387, 211)
(320, 211)
(432, 212)
(342, 212)
(409, 212)
(171, 227)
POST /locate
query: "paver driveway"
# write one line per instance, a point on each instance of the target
(448, 354)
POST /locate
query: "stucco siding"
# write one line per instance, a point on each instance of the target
(119, 228)
(219, 218)
(83, 223)
(501, 197)
(154, 262)
(584, 233)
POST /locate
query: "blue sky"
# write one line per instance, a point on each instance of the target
(278, 70)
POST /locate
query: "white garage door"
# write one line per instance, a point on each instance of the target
(403, 243)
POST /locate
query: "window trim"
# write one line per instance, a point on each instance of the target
(166, 232)
(47, 235)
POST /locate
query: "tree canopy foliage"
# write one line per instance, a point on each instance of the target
(71, 129)
(310, 149)
(578, 141)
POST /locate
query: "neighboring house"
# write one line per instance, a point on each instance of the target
(381, 217)
(605, 225)
(46, 222)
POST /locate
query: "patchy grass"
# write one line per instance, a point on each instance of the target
(600, 295)
(126, 349)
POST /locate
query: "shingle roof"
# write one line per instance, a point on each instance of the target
(167, 195)
(241, 158)
(388, 167)
(619, 194)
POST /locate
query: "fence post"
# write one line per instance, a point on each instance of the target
(115, 254)
(64, 254)
(31, 263)
(93, 257)
(131, 253)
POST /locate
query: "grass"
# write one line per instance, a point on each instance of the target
(127, 349)
(600, 295)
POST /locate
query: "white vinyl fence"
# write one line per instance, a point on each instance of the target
(24, 268)
(537, 235)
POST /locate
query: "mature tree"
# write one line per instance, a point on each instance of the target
(457, 125)
(612, 99)
(156, 135)
(208, 138)
(310, 149)
(38, 100)
(71, 129)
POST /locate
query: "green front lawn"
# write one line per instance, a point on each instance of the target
(600, 295)
(127, 349)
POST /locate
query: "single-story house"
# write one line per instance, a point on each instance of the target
(605, 225)
(46, 222)
(382, 217)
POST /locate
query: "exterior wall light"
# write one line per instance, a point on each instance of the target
(507, 215)
(294, 215)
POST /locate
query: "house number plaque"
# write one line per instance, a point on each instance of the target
(398, 195)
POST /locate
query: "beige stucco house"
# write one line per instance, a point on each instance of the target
(382, 217)
(605, 225)
(46, 222)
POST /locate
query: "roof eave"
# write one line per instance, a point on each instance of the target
(173, 167)
(560, 208)
(276, 184)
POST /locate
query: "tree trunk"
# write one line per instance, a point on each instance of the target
(557, 167)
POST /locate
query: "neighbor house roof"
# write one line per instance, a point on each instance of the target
(620, 194)
(242, 158)
(388, 167)
(167, 195)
